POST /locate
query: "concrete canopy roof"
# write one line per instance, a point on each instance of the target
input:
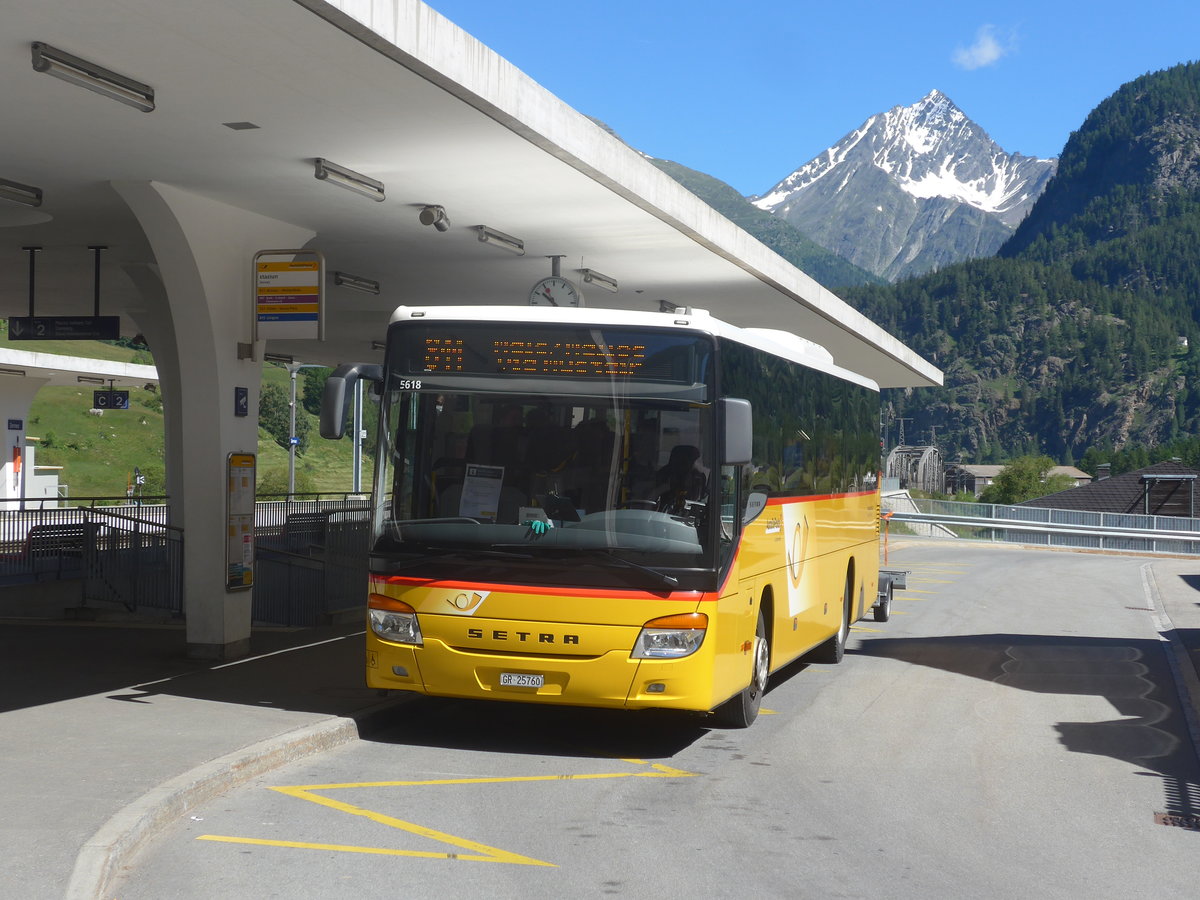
(70, 371)
(405, 97)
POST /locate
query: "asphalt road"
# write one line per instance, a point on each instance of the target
(1014, 730)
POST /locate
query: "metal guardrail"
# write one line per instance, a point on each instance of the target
(1041, 526)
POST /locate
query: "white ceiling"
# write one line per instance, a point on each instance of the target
(406, 98)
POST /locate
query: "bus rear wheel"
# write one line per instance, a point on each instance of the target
(741, 710)
(832, 651)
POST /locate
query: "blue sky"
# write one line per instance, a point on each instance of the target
(749, 91)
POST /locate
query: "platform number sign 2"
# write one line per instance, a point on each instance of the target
(110, 399)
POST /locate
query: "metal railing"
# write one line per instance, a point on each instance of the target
(311, 558)
(1040, 526)
(124, 554)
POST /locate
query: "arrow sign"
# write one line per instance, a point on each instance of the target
(64, 328)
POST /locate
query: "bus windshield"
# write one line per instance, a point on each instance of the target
(568, 457)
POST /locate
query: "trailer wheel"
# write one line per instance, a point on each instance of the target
(741, 710)
(883, 609)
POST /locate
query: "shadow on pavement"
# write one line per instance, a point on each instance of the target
(526, 729)
(321, 671)
(1134, 676)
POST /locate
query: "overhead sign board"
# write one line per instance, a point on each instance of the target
(110, 399)
(64, 328)
(289, 295)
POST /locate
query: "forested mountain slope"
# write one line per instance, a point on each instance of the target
(1083, 331)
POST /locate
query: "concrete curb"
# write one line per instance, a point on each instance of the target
(1187, 680)
(112, 847)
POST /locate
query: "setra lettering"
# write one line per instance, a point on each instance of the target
(524, 637)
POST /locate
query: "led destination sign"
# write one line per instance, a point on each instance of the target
(517, 357)
(547, 351)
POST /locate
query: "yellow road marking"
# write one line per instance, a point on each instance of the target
(499, 856)
(914, 591)
(477, 852)
(864, 628)
(930, 581)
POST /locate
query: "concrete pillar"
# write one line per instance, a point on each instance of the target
(204, 251)
(16, 396)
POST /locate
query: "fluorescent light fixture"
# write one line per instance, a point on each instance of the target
(591, 276)
(89, 379)
(507, 241)
(667, 306)
(366, 285)
(91, 76)
(278, 358)
(435, 216)
(12, 371)
(353, 181)
(378, 345)
(20, 193)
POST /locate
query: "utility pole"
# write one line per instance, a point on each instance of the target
(293, 368)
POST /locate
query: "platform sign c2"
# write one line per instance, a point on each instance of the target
(239, 537)
(289, 295)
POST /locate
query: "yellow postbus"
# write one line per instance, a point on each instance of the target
(612, 509)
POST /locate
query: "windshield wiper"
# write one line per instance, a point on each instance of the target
(435, 554)
(610, 556)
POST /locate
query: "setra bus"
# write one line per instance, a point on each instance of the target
(612, 509)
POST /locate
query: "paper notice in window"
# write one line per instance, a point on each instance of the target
(481, 492)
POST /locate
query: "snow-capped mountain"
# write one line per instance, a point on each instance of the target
(911, 189)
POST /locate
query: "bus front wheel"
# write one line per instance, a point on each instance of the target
(741, 710)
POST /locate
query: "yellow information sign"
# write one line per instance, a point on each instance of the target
(239, 537)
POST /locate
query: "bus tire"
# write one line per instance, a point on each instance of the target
(831, 652)
(741, 710)
(883, 609)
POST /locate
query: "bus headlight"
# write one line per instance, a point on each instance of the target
(671, 637)
(394, 620)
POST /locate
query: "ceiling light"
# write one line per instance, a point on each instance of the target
(12, 371)
(278, 358)
(591, 276)
(348, 178)
(89, 379)
(20, 193)
(91, 76)
(507, 241)
(435, 216)
(366, 285)
(378, 345)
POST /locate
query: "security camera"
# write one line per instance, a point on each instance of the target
(435, 216)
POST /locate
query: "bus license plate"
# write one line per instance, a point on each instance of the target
(516, 679)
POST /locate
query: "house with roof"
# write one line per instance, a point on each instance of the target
(1164, 489)
(962, 478)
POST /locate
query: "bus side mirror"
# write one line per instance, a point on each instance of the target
(738, 437)
(338, 387)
